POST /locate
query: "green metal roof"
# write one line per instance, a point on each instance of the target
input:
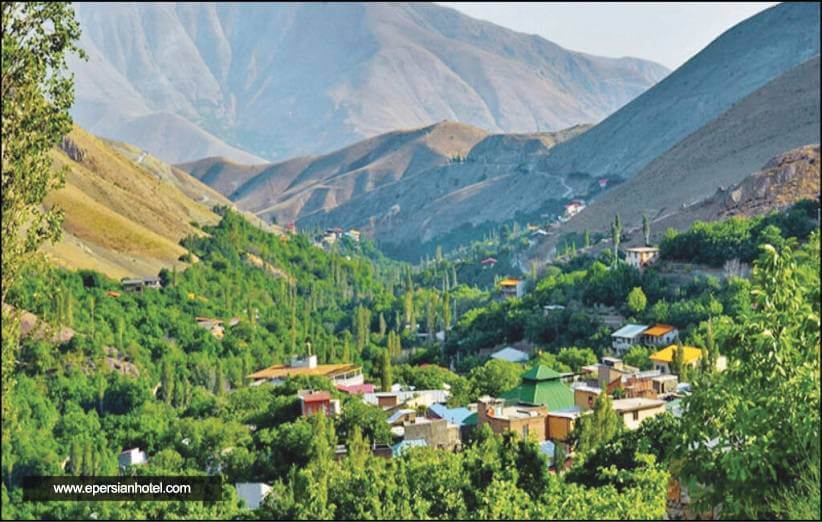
(540, 373)
(541, 386)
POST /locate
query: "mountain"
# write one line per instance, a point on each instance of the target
(399, 186)
(784, 180)
(187, 81)
(741, 60)
(125, 210)
(782, 115)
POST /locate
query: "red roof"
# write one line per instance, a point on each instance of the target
(356, 389)
(321, 396)
(488, 261)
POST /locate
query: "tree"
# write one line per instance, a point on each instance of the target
(768, 394)
(37, 92)
(646, 229)
(495, 377)
(586, 239)
(386, 379)
(576, 358)
(638, 357)
(636, 300)
(597, 428)
(616, 236)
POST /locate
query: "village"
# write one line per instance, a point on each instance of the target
(545, 407)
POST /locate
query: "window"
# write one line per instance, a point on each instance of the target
(636, 415)
(525, 432)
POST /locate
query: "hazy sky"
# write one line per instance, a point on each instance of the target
(663, 32)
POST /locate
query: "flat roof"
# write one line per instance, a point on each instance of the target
(642, 249)
(636, 404)
(281, 371)
(510, 282)
(630, 330)
(666, 355)
(659, 330)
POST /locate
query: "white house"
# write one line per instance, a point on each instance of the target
(252, 493)
(511, 355)
(131, 457)
(627, 336)
(640, 257)
(634, 411)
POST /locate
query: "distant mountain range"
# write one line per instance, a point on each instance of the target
(750, 95)
(257, 82)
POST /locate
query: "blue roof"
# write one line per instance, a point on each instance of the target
(400, 447)
(453, 415)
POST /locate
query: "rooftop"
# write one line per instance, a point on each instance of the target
(666, 355)
(281, 371)
(400, 447)
(636, 404)
(659, 330)
(510, 354)
(457, 416)
(318, 396)
(642, 249)
(630, 330)
(509, 281)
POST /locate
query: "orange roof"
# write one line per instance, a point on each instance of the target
(658, 330)
(509, 282)
(666, 355)
(323, 370)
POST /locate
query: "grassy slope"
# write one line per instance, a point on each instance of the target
(123, 218)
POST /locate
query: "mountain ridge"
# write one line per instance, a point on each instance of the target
(279, 81)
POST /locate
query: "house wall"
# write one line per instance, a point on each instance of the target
(437, 433)
(559, 427)
(632, 419)
(584, 399)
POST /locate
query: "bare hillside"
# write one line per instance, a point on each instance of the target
(782, 115)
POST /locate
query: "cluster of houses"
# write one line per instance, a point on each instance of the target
(332, 235)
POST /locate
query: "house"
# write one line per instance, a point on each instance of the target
(113, 293)
(344, 374)
(464, 418)
(399, 448)
(659, 335)
(502, 416)
(511, 355)
(401, 416)
(585, 396)
(488, 262)
(665, 384)
(511, 287)
(215, 326)
(561, 423)
(662, 359)
(603, 183)
(131, 457)
(573, 208)
(542, 386)
(627, 336)
(437, 433)
(640, 257)
(138, 285)
(252, 493)
(409, 398)
(614, 376)
(291, 228)
(634, 411)
(353, 234)
(313, 402)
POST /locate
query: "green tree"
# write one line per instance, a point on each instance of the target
(636, 300)
(638, 357)
(495, 377)
(768, 432)
(37, 92)
(646, 229)
(602, 425)
(386, 379)
(586, 239)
